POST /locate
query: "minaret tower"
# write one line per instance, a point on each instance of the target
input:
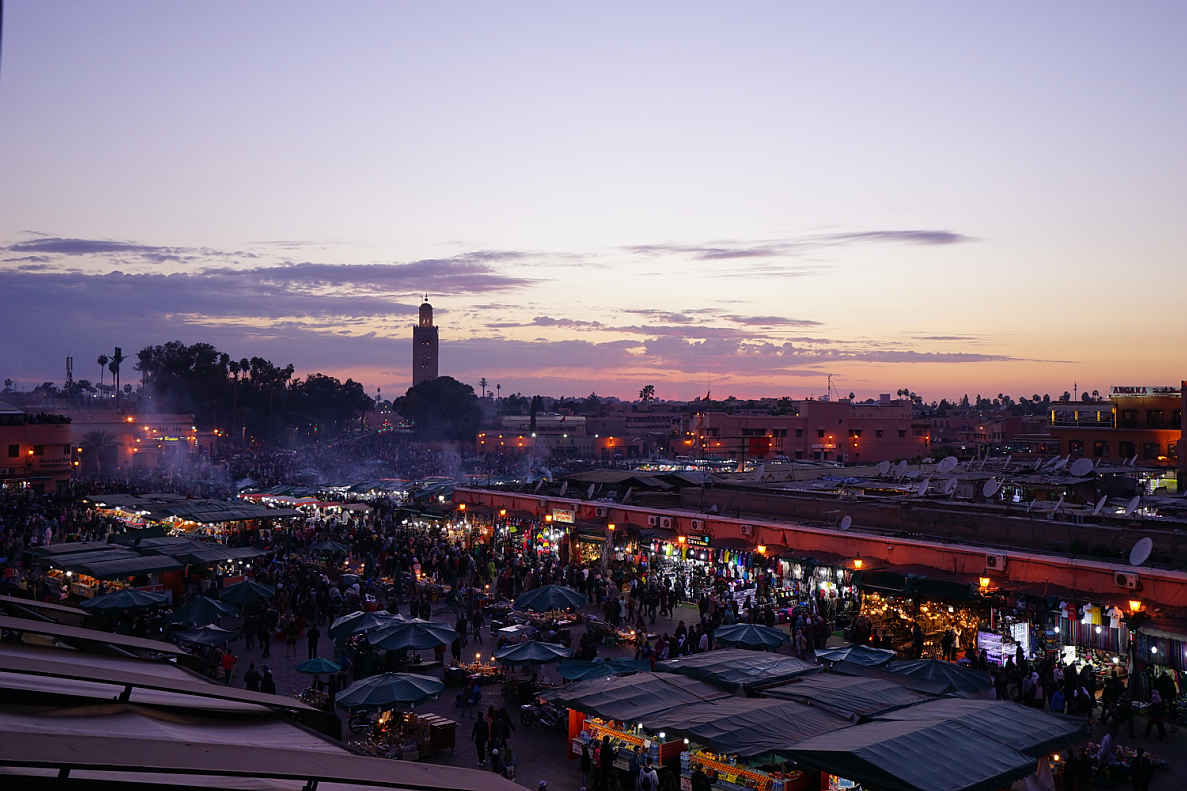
(424, 346)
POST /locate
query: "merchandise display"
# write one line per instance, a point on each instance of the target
(397, 735)
(730, 775)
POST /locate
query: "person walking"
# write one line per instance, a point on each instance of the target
(1156, 712)
(607, 763)
(480, 734)
(265, 634)
(268, 683)
(251, 679)
(1141, 771)
(312, 637)
(228, 663)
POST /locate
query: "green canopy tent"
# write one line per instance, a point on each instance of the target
(360, 622)
(731, 668)
(317, 666)
(753, 636)
(415, 635)
(209, 635)
(962, 679)
(860, 654)
(550, 597)
(580, 670)
(631, 698)
(531, 652)
(125, 599)
(388, 691)
(246, 592)
(202, 611)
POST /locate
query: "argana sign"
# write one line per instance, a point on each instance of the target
(1140, 391)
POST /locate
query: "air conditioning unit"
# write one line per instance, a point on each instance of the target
(698, 524)
(666, 523)
(747, 530)
(652, 520)
(603, 511)
(1123, 579)
(542, 503)
(995, 562)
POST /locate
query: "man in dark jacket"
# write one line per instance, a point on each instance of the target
(480, 733)
(1141, 771)
(251, 679)
(607, 763)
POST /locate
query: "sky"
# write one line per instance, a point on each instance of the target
(737, 198)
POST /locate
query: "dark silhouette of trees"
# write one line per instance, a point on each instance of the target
(441, 408)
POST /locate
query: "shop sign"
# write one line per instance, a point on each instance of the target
(563, 516)
(1143, 391)
(696, 540)
(991, 644)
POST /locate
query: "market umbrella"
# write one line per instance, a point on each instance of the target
(317, 666)
(246, 592)
(126, 599)
(861, 654)
(389, 690)
(209, 635)
(359, 622)
(330, 548)
(962, 679)
(579, 670)
(749, 635)
(413, 634)
(550, 597)
(201, 611)
(531, 652)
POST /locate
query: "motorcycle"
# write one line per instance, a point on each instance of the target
(529, 714)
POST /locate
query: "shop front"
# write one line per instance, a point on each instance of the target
(697, 564)
(1093, 633)
(892, 603)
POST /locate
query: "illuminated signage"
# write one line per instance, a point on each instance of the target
(561, 515)
(696, 541)
(1142, 391)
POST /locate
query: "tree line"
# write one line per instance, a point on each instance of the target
(249, 398)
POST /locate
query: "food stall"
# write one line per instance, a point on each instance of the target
(729, 773)
(624, 739)
(400, 735)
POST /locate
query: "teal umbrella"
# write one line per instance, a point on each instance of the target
(388, 691)
(416, 635)
(318, 665)
(861, 654)
(329, 548)
(578, 670)
(126, 599)
(209, 635)
(532, 652)
(201, 611)
(749, 635)
(550, 597)
(359, 622)
(246, 592)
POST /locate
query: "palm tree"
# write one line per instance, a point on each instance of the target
(96, 445)
(647, 393)
(114, 367)
(102, 364)
(482, 384)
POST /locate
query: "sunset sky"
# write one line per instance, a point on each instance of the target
(952, 197)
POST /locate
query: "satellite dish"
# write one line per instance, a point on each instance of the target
(1059, 465)
(1006, 463)
(1133, 461)
(1140, 552)
(883, 467)
(758, 471)
(1081, 467)
(1132, 505)
(713, 508)
(564, 488)
(1029, 506)
(950, 487)
(628, 494)
(589, 493)
(922, 490)
(539, 483)
(946, 464)
(1099, 505)
(913, 474)
(846, 523)
(1058, 505)
(900, 469)
(990, 488)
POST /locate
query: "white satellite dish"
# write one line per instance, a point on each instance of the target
(539, 483)
(1100, 504)
(1133, 461)
(1030, 505)
(846, 523)
(990, 488)
(922, 490)
(883, 467)
(1132, 505)
(1006, 463)
(1081, 467)
(758, 471)
(1058, 505)
(589, 493)
(913, 474)
(900, 469)
(950, 487)
(946, 464)
(1059, 465)
(1141, 552)
(564, 488)
(628, 494)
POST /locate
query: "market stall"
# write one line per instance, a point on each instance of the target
(731, 668)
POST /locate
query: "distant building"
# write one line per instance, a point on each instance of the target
(1137, 421)
(36, 451)
(424, 346)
